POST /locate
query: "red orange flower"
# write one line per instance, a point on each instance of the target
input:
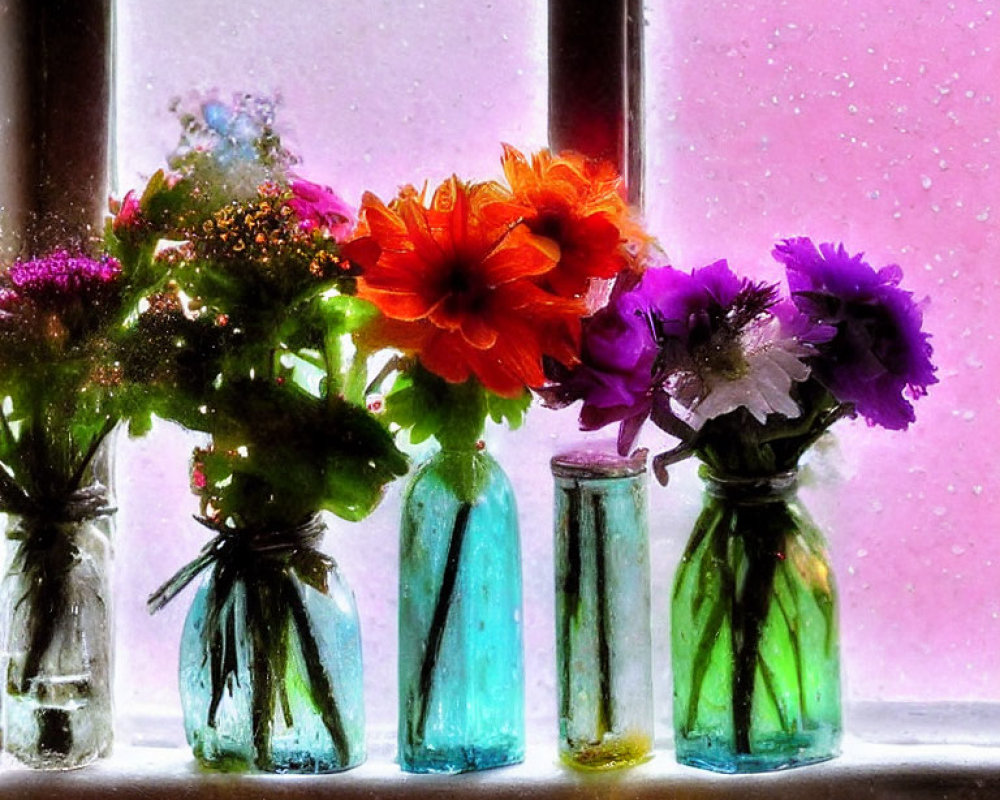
(574, 201)
(461, 293)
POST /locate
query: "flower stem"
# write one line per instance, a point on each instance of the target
(263, 689)
(571, 593)
(320, 685)
(605, 716)
(48, 556)
(750, 605)
(440, 619)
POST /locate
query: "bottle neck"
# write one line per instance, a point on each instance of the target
(757, 490)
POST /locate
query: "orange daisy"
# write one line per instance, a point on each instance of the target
(461, 294)
(571, 200)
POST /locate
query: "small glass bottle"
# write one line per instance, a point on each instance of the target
(603, 641)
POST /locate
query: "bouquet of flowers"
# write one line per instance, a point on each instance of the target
(63, 334)
(248, 344)
(747, 380)
(477, 285)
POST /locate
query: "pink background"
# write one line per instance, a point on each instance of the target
(875, 124)
(863, 122)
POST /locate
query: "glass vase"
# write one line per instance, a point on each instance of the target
(57, 646)
(461, 660)
(755, 646)
(603, 640)
(270, 669)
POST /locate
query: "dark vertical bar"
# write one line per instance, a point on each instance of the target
(59, 82)
(595, 82)
(635, 141)
(606, 716)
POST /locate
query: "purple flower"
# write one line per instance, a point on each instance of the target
(617, 360)
(59, 298)
(55, 280)
(686, 348)
(879, 353)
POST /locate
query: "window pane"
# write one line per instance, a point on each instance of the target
(874, 124)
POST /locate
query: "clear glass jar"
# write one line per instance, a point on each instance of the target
(461, 659)
(57, 644)
(603, 639)
(755, 645)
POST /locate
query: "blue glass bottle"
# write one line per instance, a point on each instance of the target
(298, 735)
(461, 660)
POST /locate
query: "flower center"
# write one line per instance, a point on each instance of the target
(721, 356)
(550, 224)
(461, 290)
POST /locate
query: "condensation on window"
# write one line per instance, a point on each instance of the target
(869, 123)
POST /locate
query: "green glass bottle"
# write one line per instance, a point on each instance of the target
(755, 647)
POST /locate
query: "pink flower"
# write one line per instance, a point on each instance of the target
(128, 215)
(320, 208)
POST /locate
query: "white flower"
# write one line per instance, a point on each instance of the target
(754, 369)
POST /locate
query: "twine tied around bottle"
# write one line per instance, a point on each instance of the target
(81, 505)
(235, 543)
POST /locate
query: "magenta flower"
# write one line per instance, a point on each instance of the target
(879, 355)
(54, 281)
(77, 290)
(615, 374)
(320, 208)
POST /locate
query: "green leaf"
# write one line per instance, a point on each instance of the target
(508, 409)
(345, 313)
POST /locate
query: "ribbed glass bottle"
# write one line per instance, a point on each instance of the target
(603, 641)
(461, 660)
(754, 633)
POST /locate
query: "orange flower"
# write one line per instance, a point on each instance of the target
(572, 200)
(460, 294)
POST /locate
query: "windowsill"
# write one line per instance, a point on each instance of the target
(864, 770)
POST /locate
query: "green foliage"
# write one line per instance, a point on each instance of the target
(453, 413)
(245, 337)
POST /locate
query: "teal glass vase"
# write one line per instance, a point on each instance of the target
(603, 638)
(755, 647)
(461, 660)
(271, 672)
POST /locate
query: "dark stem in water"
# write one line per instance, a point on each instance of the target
(751, 602)
(440, 619)
(263, 694)
(321, 687)
(605, 717)
(571, 592)
(48, 558)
